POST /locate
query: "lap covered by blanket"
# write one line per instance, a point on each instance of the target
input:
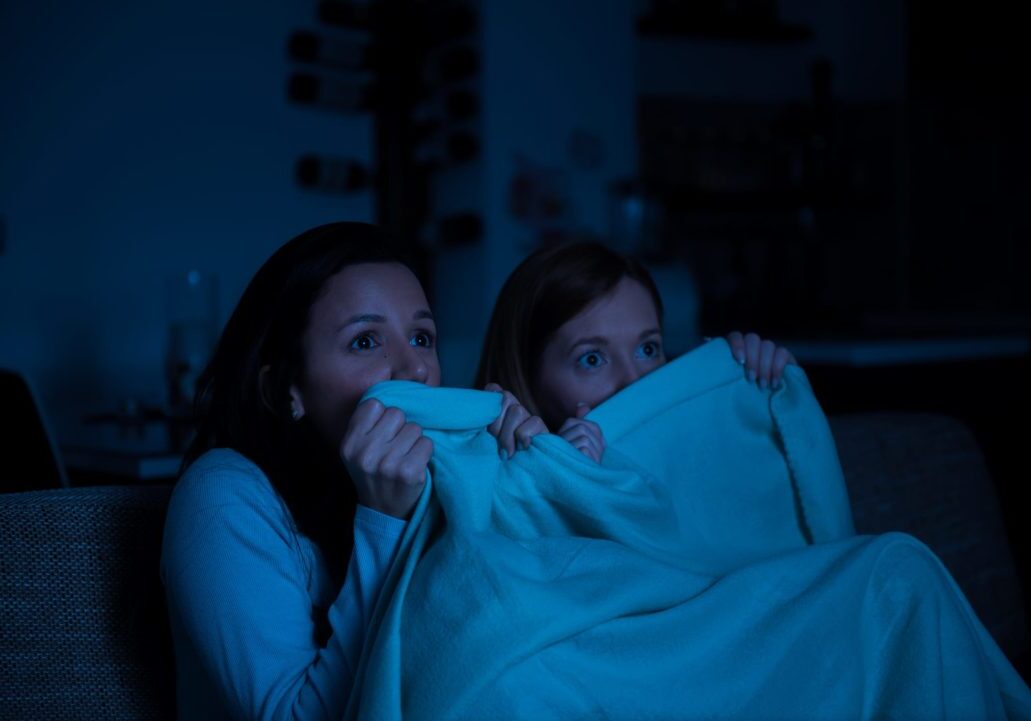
(706, 568)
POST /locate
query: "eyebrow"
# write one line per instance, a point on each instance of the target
(423, 314)
(601, 340)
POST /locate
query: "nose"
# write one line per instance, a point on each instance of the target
(410, 365)
(627, 372)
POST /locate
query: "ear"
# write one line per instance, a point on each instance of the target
(296, 404)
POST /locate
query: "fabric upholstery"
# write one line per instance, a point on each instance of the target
(924, 474)
(83, 633)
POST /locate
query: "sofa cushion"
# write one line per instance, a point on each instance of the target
(924, 474)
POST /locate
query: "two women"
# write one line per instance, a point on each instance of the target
(295, 497)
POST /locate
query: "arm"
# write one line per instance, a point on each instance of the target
(240, 605)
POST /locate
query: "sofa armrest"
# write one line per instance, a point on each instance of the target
(924, 474)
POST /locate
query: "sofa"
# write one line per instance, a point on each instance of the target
(83, 631)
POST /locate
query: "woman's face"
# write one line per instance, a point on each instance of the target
(371, 323)
(614, 341)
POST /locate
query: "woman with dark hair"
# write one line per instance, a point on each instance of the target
(574, 324)
(294, 496)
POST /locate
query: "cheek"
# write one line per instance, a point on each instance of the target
(332, 393)
(565, 392)
(433, 371)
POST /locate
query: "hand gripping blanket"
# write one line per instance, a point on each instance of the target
(707, 568)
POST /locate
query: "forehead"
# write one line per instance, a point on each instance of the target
(627, 309)
(371, 287)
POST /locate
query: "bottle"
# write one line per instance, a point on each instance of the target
(334, 94)
(330, 174)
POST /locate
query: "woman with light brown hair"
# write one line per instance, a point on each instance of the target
(576, 323)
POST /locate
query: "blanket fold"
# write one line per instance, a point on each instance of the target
(707, 568)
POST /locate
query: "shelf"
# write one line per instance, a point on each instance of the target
(723, 29)
(685, 198)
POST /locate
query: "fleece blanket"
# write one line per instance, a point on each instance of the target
(706, 568)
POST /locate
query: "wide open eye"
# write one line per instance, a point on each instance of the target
(649, 350)
(591, 360)
(364, 341)
(422, 339)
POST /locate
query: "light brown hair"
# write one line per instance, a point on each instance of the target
(550, 287)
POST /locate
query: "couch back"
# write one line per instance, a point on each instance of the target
(84, 634)
(924, 474)
(83, 629)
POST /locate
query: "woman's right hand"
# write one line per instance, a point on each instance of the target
(584, 435)
(386, 457)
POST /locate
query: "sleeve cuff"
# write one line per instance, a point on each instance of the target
(380, 524)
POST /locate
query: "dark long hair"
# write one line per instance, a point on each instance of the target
(550, 287)
(236, 408)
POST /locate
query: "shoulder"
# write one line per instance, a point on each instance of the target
(223, 507)
(225, 488)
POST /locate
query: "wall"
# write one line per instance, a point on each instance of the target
(549, 69)
(139, 140)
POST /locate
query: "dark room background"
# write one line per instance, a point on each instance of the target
(848, 177)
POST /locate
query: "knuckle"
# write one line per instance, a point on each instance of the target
(389, 467)
(367, 463)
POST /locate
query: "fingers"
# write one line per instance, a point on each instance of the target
(737, 346)
(412, 466)
(585, 436)
(514, 417)
(386, 457)
(514, 427)
(584, 443)
(588, 449)
(764, 360)
(507, 401)
(753, 344)
(781, 359)
(766, 351)
(365, 417)
(527, 430)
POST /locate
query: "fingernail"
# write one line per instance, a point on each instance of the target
(504, 454)
(740, 358)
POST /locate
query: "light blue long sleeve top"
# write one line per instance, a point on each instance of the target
(247, 594)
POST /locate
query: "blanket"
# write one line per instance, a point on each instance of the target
(706, 568)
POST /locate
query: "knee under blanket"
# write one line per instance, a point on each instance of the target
(707, 568)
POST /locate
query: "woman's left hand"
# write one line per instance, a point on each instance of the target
(514, 427)
(763, 360)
